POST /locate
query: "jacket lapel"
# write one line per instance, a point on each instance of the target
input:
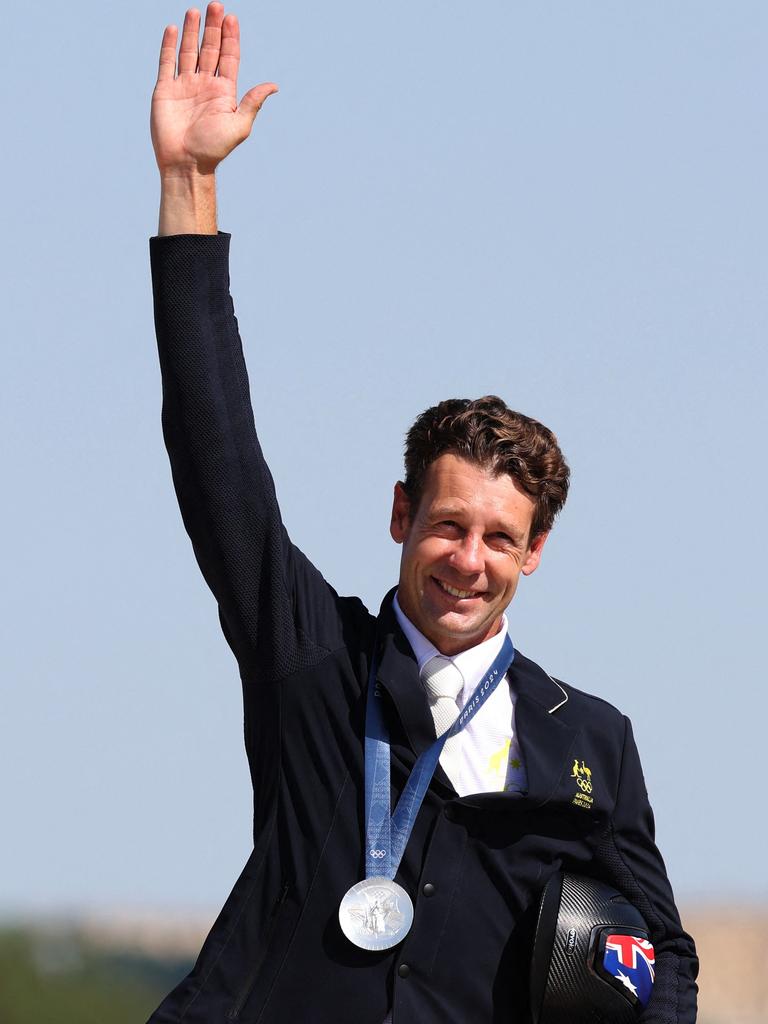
(546, 740)
(398, 673)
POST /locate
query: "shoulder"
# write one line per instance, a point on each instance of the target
(573, 706)
(590, 706)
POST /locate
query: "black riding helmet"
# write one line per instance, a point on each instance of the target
(592, 961)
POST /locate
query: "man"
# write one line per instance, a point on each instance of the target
(342, 913)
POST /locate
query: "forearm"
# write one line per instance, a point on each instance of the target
(187, 203)
(224, 488)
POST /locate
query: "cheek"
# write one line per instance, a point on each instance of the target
(428, 551)
(506, 577)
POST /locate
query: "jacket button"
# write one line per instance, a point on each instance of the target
(450, 814)
(428, 889)
(403, 970)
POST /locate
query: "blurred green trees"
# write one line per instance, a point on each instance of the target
(54, 977)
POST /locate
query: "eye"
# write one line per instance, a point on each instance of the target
(503, 538)
(449, 526)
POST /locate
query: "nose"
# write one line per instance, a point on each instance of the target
(467, 557)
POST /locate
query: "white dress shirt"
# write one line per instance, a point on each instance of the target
(488, 743)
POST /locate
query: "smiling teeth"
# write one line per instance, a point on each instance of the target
(454, 592)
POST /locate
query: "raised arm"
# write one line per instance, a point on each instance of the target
(196, 120)
(277, 612)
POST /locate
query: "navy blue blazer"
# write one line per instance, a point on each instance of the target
(474, 866)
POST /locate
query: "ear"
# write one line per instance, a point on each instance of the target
(401, 514)
(533, 557)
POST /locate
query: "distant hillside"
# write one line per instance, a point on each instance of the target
(733, 951)
(54, 976)
(115, 969)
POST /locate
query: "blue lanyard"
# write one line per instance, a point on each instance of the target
(386, 834)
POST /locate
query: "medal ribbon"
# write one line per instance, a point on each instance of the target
(386, 834)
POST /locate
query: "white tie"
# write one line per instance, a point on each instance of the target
(444, 682)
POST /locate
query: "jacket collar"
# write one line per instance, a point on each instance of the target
(545, 738)
(398, 672)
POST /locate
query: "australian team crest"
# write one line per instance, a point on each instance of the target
(582, 776)
(628, 962)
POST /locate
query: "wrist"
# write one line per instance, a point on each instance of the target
(187, 202)
(186, 175)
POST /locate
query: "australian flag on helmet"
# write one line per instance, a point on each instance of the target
(629, 962)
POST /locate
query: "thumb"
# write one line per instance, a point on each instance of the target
(251, 103)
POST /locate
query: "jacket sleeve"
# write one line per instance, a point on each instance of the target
(277, 612)
(630, 860)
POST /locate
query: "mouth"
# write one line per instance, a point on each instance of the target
(455, 592)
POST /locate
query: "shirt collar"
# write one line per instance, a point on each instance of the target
(472, 663)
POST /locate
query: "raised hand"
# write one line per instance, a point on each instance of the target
(196, 120)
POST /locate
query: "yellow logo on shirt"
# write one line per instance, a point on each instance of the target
(497, 763)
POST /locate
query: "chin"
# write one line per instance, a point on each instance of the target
(470, 633)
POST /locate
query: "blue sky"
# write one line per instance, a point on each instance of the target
(560, 203)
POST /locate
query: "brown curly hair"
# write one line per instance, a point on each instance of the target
(487, 432)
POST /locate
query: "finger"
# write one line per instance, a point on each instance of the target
(229, 57)
(167, 65)
(188, 48)
(211, 44)
(253, 100)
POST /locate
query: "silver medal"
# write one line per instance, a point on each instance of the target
(376, 913)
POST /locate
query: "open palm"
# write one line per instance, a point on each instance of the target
(196, 120)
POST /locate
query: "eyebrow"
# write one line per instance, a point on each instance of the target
(446, 512)
(456, 512)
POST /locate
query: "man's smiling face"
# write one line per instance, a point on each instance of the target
(464, 548)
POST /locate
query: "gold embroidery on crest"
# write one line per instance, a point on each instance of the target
(583, 777)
